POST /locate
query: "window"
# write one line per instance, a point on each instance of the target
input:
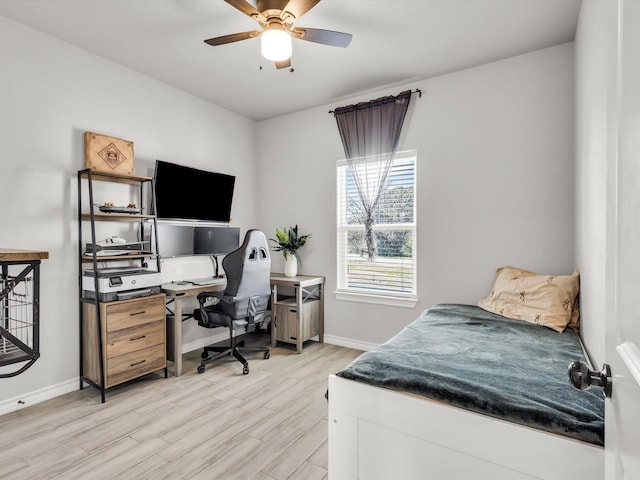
(389, 278)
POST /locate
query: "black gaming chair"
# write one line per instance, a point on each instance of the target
(244, 300)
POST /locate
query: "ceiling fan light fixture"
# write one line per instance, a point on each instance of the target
(275, 44)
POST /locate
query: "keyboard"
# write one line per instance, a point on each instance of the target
(205, 281)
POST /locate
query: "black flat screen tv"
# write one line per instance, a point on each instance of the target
(186, 193)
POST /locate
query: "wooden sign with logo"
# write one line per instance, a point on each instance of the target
(108, 154)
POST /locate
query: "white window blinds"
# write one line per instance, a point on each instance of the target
(393, 270)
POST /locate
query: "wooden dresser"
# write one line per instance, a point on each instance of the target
(133, 339)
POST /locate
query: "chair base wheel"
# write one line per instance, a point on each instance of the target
(245, 370)
(200, 368)
(204, 355)
(267, 355)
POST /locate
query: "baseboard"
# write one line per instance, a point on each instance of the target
(31, 398)
(349, 343)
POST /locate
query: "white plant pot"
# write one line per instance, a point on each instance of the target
(290, 266)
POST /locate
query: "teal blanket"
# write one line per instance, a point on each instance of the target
(486, 363)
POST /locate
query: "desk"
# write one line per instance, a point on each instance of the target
(176, 292)
(296, 320)
(307, 322)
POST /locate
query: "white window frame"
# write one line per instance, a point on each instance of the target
(364, 295)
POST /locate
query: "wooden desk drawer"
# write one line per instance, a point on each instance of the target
(127, 314)
(135, 338)
(134, 364)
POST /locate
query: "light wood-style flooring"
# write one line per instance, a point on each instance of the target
(268, 425)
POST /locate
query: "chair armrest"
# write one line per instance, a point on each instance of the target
(204, 296)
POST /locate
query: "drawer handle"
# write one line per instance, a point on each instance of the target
(138, 313)
(293, 310)
(137, 338)
(137, 363)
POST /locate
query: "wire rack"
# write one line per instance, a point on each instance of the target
(18, 320)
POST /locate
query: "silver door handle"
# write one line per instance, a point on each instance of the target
(582, 378)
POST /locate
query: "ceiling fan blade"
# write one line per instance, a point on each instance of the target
(247, 9)
(234, 37)
(326, 37)
(297, 8)
(283, 64)
(264, 5)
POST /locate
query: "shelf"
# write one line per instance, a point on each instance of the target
(100, 367)
(131, 256)
(116, 217)
(291, 301)
(114, 177)
(285, 300)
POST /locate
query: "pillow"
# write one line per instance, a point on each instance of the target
(574, 323)
(547, 300)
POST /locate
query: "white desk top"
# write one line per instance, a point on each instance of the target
(192, 288)
(186, 288)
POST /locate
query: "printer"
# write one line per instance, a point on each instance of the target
(120, 283)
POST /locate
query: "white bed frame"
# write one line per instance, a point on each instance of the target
(380, 434)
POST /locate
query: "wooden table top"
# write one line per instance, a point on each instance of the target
(301, 280)
(14, 255)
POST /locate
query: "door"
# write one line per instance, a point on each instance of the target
(622, 434)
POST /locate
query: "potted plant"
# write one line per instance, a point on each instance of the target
(289, 242)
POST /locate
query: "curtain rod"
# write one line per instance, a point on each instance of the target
(417, 90)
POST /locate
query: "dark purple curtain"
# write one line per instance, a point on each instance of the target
(370, 132)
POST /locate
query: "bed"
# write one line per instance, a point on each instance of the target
(463, 393)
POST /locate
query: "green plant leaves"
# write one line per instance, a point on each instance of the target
(288, 241)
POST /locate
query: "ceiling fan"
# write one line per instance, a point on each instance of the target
(276, 18)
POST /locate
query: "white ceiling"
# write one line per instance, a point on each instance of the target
(394, 42)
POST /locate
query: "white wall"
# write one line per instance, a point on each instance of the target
(495, 184)
(50, 93)
(595, 48)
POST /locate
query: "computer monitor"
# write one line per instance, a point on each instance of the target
(215, 240)
(175, 240)
(189, 240)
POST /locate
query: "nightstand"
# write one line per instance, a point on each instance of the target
(300, 317)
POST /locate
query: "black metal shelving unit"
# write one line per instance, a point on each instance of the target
(89, 213)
